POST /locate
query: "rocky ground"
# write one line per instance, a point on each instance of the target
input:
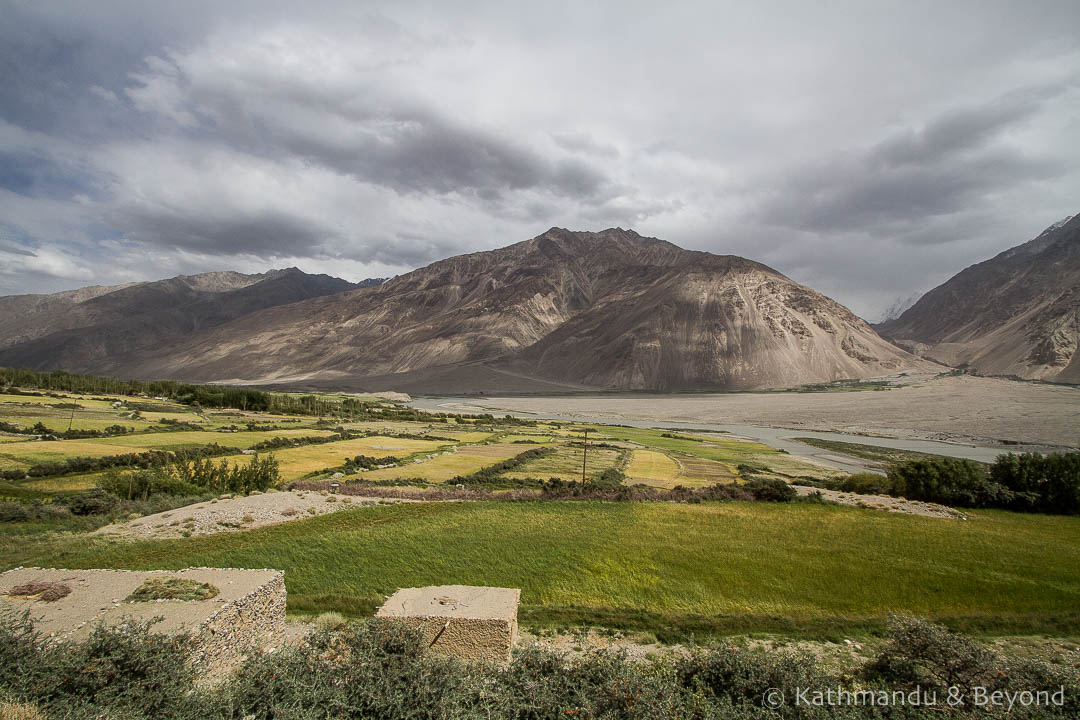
(885, 502)
(229, 514)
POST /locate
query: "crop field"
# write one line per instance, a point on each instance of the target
(188, 439)
(709, 567)
(566, 463)
(466, 460)
(652, 467)
(297, 462)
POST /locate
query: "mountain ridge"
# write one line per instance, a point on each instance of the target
(563, 310)
(1015, 314)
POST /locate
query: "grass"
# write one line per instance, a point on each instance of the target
(297, 462)
(875, 453)
(190, 439)
(64, 483)
(729, 567)
(466, 460)
(652, 468)
(566, 463)
(172, 588)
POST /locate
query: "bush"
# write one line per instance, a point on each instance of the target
(95, 502)
(865, 483)
(142, 484)
(1041, 483)
(949, 481)
(770, 490)
(922, 654)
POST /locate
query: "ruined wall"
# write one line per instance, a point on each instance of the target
(253, 622)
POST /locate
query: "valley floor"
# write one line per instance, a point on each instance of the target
(950, 408)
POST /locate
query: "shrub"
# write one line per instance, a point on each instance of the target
(865, 483)
(770, 490)
(929, 656)
(949, 481)
(95, 502)
(1041, 483)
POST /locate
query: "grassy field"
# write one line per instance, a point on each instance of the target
(566, 463)
(875, 453)
(705, 568)
(297, 462)
(653, 468)
(465, 461)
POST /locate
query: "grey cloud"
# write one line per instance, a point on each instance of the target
(584, 143)
(943, 168)
(375, 136)
(266, 233)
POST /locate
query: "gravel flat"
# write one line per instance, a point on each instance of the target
(231, 514)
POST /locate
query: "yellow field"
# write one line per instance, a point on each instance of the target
(537, 438)
(565, 463)
(652, 468)
(180, 416)
(174, 440)
(297, 462)
(699, 471)
(67, 483)
(32, 400)
(26, 453)
(446, 467)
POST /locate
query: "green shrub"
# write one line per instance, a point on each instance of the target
(949, 481)
(865, 483)
(770, 490)
(1041, 483)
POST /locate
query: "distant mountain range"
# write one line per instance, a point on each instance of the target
(1016, 314)
(563, 311)
(109, 330)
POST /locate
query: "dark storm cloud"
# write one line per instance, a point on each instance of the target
(942, 168)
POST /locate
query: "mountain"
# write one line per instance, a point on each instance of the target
(106, 329)
(1017, 314)
(563, 311)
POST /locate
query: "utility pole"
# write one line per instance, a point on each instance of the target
(72, 418)
(584, 455)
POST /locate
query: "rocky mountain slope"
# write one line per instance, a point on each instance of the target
(563, 311)
(107, 329)
(1017, 314)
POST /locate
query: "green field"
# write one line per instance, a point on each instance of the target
(875, 453)
(566, 463)
(465, 461)
(709, 567)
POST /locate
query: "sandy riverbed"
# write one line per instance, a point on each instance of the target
(963, 409)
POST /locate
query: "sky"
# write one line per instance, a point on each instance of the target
(869, 150)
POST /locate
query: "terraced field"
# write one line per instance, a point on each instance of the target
(566, 462)
(654, 468)
(466, 460)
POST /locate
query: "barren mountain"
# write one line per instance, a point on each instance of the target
(106, 329)
(565, 310)
(1017, 314)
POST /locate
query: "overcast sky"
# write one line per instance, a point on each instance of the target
(867, 149)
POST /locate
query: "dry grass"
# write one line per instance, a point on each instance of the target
(19, 711)
(42, 590)
(446, 467)
(565, 463)
(652, 468)
(172, 588)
